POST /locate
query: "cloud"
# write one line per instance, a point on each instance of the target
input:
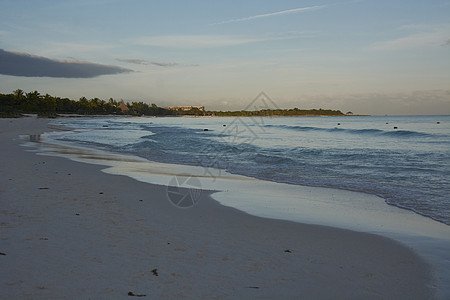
(133, 61)
(22, 64)
(446, 43)
(426, 35)
(163, 64)
(145, 62)
(204, 41)
(277, 13)
(411, 41)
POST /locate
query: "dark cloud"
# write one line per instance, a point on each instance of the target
(145, 62)
(133, 61)
(163, 64)
(22, 64)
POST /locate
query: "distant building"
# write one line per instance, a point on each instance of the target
(185, 108)
(123, 107)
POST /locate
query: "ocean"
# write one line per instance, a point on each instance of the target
(403, 159)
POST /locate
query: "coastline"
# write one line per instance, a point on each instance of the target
(88, 234)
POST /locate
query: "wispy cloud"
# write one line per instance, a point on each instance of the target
(163, 64)
(22, 64)
(145, 62)
(204, 41)
(133, 61)
(272, 14)
(424, 36)
(411, 41)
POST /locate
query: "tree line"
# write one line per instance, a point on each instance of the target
(19, 102)
(293, 112)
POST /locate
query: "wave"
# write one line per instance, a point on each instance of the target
(368, 131)
(406, 133)
(271, 159)
(144, 144)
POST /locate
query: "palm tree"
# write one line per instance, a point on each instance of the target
(18, 94)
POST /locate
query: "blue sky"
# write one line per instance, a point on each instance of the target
(366, 56)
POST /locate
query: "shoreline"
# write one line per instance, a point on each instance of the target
(227, 254)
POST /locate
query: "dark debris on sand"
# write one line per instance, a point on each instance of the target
(136, 295)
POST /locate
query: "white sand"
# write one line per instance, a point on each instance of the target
(71, 231)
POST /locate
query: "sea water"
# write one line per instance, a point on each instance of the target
(403, 159)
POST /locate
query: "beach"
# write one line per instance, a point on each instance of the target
(69, 231)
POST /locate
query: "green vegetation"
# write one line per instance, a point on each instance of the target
(280, 112)
(18, 103)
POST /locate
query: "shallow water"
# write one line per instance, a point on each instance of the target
(408, 166)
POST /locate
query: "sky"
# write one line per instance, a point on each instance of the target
(365, 56)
